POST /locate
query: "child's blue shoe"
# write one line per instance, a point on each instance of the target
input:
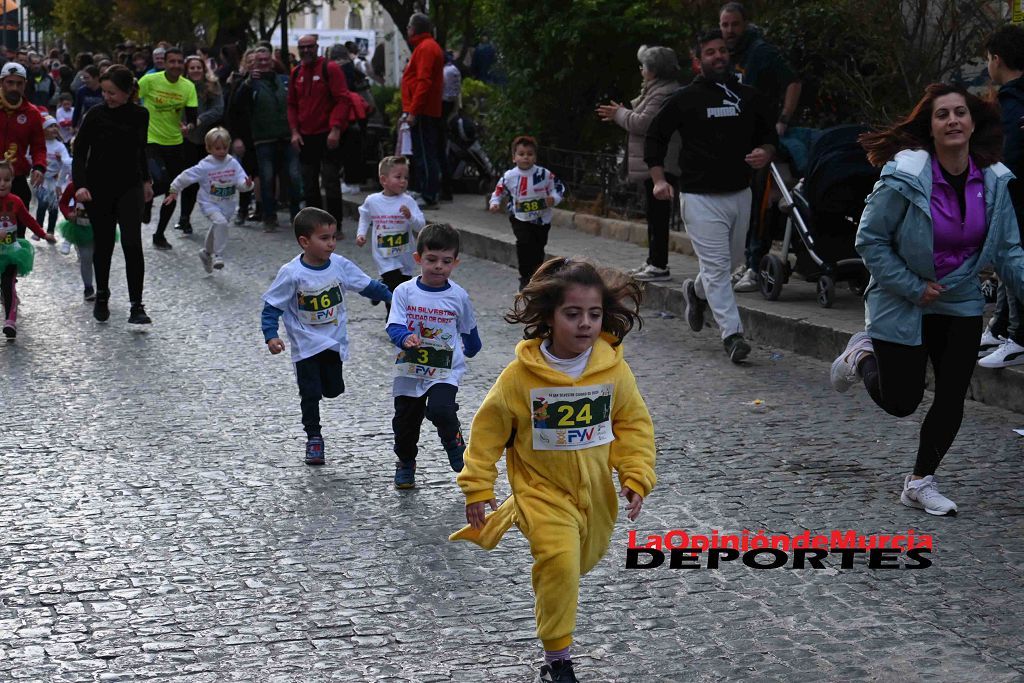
(405, 475)
(315, 450)
(455, 449)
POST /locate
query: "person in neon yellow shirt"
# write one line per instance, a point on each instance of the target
(168, 97)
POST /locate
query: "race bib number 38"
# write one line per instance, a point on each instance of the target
(320, 308)
(432, 359)
(571, 418)
(534, 205)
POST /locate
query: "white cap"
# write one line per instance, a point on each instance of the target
(13, 69)
(49, 121)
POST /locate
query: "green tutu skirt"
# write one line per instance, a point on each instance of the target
(20, 254)
(75, 233)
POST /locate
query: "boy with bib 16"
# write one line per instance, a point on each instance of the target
(565, 412)
(307, 293)
(433, 323)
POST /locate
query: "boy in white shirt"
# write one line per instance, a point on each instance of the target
(65, 115)
(433, 323)
(531, 190)
(393, 217)
(220, 177)
(307, 293)
(58, 168)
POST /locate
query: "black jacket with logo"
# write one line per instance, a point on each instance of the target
(720, 124)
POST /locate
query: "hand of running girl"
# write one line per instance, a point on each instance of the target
(635, 502)
(476, 513)
(170, 198)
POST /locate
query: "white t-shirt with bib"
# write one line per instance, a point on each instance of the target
(389, 234)
(313, 302)
(439, 318)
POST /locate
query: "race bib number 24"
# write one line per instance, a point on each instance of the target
(571, 418)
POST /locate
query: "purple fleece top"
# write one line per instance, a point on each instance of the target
(956, 237)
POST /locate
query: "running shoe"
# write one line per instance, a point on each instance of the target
(138, 315)
(184, 226)
(10, 329)
(89, 294)
(405, 475)
(350, 189)
(315, 450)
(923, 494)
(1008, 354)
(160, 242)
(207, 261)
(218, 262)
(989, 343)
(736, 347)
(100, 310)
(694, 306)
(653, 274)
(844, 373)
(455, 451)
(558, 672)
(747, 283)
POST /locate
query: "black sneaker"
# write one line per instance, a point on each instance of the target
(240, 218)
(736, 347)
(138, 315)
(160, 242)
(558, 672)
(455, 450)
(10, 329)
(694, 306)
(185, 227)
(89, 294)
(315, 450)
(100, 310)
(405, 475)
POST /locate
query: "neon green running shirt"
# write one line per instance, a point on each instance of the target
(165, 102)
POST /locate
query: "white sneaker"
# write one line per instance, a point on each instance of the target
(1008, 353)
(350, 189)
(923, 494)
(747, 283)
(844, 372)
(738, 273)
(653, 274)
(207, 261)
(65, 247)
(638, 270)
(218, 262)
(989, 343)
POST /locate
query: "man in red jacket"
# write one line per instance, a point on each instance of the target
(422, 84)
(21, 134)
(318, 107)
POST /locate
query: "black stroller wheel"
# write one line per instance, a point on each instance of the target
(771, 275)
(826, 291)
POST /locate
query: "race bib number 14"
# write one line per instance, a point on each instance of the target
(571, 418)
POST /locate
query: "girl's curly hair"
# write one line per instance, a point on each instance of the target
(535, 305)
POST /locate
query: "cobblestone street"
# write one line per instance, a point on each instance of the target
(159, 523)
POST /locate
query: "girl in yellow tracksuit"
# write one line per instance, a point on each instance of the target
(566, 412)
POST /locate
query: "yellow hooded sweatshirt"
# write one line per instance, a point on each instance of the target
(564, 501)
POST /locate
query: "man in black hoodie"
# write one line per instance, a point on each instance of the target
(1002, 343)
(727, 131)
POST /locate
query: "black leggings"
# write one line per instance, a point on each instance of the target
(531, 241)
(437, 405)
(106, 211)
(165, 163)
(8, 292)
(894, 377)
(193, 155)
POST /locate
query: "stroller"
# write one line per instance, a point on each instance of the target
(824, 210)
(471, 169)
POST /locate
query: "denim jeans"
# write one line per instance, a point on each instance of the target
(426, 156)
(274, 157)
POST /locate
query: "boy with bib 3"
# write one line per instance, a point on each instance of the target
(532, 190)
(307, 293)
(433, 323)
(565, 413)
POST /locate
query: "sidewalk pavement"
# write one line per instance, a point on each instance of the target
(795, 322)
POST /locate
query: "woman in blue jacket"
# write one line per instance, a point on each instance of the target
(939, 213)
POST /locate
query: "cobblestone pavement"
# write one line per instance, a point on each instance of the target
(159, 523)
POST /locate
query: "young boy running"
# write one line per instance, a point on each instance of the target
(307, 293)
(531, 190)
(428, 317)
(394, 218)
(220, 178)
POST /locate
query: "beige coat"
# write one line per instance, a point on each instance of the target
(635, 121)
